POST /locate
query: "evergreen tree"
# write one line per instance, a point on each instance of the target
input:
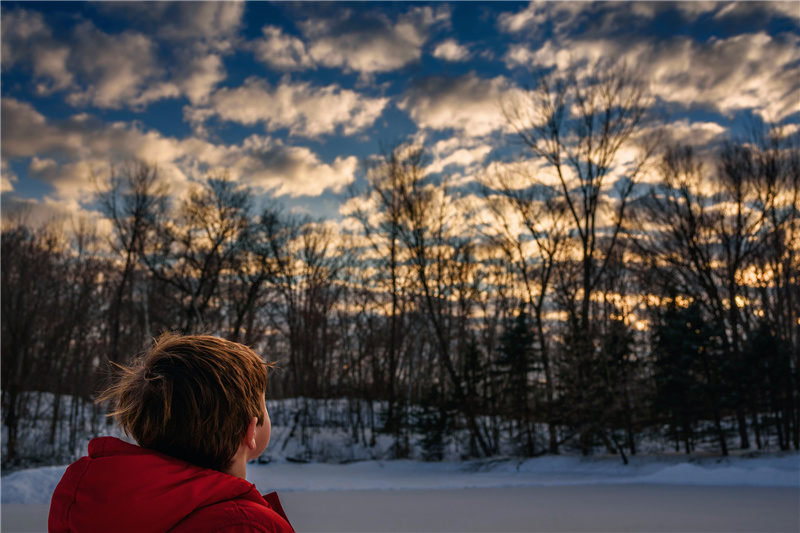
(620, 373)
(766, 376)
(517, 359)
(433, 423)
(687, 366)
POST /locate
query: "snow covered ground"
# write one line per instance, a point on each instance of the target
(564, 493)
(350, 487)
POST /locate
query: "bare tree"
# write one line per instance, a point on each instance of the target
(130, 197)
(438, 254)
(583, 126)
(191, 252)
(707, 239)
(382, 227)
(768, 162)
(518, 200)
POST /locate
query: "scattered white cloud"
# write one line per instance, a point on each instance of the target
(27, 39)
(562, 15)
(41, 212)
(119, 70)
(7, 177)
(760, 11)
(693, 10)
(21, 29)
(25, 132)
(280, 51)
(41, 167)
(299, 107)
(597, 20)
(369, 42)
(466, 154)
(787, 9)
(531, 17)
(291, 170)
(108, 71)
(450, 50)
(555, 54)
(749, 71)
(200, 76)
(463, 157)
(65, 154)
(468, 104)
(213, 24)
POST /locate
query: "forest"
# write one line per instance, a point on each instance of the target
(610, 287)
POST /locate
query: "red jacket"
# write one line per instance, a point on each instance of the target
(121, 487)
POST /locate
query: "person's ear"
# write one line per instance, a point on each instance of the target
(250, 434)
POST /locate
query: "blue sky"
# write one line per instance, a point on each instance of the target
(293, 99)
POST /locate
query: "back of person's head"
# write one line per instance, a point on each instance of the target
(190, 397)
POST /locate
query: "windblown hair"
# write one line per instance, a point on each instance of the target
(190, 397)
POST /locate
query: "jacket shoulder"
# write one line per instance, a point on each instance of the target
(234, 516)
(64, 495)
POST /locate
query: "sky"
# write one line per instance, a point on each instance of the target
(295, 99)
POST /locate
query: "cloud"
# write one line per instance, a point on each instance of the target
(756, 12)
(450, 50)
(594, 20)
(21, 29)
(749, 71)
(41, 167)
(291, 170)
(556, 54)
(25, 132)
(37, 213)
(280, 51)
(26, 39)
(694, 10)
(7, 177)
(465, 154)
(700, 133)
(468, 104)
(299, 107)
(200, 76)
(119, 70)
(65, 153)
(368, 42)
(214, 24)
(532, 19)
(108, 71)
(787, 9)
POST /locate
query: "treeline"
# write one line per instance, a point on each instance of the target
(588, 298)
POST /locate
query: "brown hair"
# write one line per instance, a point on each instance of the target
(191, 397)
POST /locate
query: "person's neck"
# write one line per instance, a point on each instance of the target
(238, 466)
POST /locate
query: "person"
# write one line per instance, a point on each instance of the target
(195, 404)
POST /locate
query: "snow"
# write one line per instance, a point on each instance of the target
(36, 485)
(773, 471)
(352, 486)
(618, 508)
(551, 493)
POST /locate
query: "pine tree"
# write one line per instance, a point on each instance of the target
(687, 372)
(517, 359)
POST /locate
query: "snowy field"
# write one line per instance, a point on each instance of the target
(348, 486)
(666, 493)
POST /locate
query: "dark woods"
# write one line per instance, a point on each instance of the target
(574, 305)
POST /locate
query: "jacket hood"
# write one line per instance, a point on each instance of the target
(123, 487)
